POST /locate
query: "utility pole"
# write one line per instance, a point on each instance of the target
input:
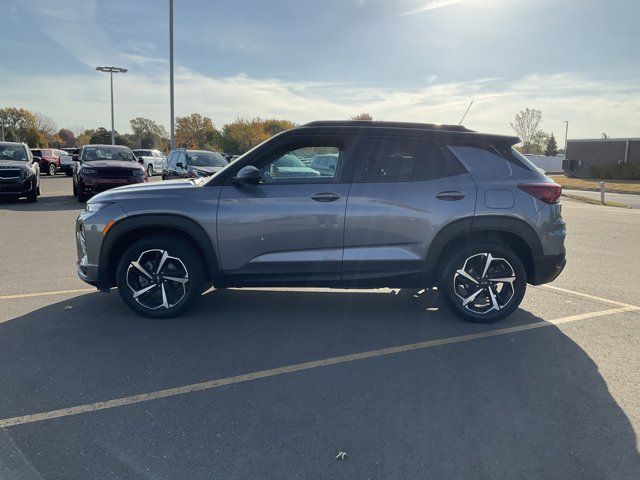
(111, 71)
(566, 135)
(171, 74)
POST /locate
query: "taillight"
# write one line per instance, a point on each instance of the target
(545, 192)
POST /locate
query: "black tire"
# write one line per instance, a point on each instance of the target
(150, 171)
(51, 169)
(32, 196)
(507, 295)
(75, 190)
(182, 263)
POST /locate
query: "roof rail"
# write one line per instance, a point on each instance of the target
(384, 124)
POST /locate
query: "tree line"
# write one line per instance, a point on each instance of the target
(193, 131)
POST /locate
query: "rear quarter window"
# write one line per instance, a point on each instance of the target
(483, 162)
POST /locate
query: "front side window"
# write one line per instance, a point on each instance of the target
(90, 154)
(13, 152)
(296, 166)
(393, 159)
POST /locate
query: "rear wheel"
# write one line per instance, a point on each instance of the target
(51, 170)
(150, 170)
(484, 282)
(75, 190)
(160, 276)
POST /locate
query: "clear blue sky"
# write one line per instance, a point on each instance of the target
(398, 59)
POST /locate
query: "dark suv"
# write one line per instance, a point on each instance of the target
(407, 206)
(183, 163)
(101, 167)
(19, 172)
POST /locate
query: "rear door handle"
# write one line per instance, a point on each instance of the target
(450, 195)
(325, 197)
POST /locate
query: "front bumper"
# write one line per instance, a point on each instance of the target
(547, 268)
(18, 188)
(89, 237)
(92, 186)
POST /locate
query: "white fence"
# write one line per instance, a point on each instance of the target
(548, 164)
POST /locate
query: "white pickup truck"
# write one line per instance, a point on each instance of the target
(153, 160)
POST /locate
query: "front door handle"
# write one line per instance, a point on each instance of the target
(450, 195)
(325, 197)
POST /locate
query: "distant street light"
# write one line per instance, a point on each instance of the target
(111, 71)
(171, 123)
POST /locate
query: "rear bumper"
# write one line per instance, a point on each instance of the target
(547, 268)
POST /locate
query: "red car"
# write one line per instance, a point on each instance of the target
(51, 160)
(101, 167)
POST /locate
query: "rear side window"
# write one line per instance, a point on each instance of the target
(393, 159)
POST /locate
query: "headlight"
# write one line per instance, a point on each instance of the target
(93, 207)
(88, 171)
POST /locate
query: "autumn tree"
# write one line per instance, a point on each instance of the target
(67, 138)
(196, 131)
(19, 124)
(147, 133)
(527, 126)
(362, 116)
(242, 135)
(551, 150)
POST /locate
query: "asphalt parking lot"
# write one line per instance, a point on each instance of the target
(256, 383)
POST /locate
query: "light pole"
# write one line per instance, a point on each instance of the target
(171, 74)
(111, 71)
(566, 134)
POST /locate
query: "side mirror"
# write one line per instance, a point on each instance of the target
(140, 161)
(36, 159)
(332, 167)
(179, 165)
(248, 175)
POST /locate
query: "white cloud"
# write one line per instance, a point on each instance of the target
(432, 5)
(591, 106)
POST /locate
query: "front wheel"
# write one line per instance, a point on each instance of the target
(150, 171)
(160, 276)
(52, 169)
(484, 282)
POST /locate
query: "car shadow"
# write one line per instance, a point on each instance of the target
(44, 204)
(525, 405)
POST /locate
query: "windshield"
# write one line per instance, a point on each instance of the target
(13, 152)
(91, 154)
(205, 159)
(289, 161)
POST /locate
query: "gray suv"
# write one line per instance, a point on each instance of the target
(407, 206)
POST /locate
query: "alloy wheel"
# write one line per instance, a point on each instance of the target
(484, 283)
(157, 280)
(52, 169)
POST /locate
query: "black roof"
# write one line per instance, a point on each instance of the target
(381, 124)
(453, 132)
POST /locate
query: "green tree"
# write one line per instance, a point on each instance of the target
(196, 131)
(147, 133)
(19, 125)
(362, 116)
(551, 149)
(527, 126)
(103, 136)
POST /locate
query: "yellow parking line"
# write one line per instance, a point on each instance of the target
(592, 297)
(46, 294)
(199, 387)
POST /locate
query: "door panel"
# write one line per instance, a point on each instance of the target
(279, 230)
